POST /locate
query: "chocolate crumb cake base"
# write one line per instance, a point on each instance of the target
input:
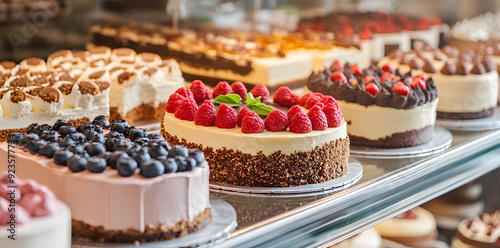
(231, 166)
(159, 233)
(397, 140)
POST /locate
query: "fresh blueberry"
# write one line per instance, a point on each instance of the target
(39, 129)
(197, 155)
(101, 121)
(122, 145)
(135, 148)
(114, 134)
(31, 128)
(126, 166)
(166, 145)
(141, 156)
(96, 164)
(155, 137)
(94, 148)
(61, 157)
(105, 155)
(88, 133)
(118, 125)
(178, 150)
(34, 146)
(127, 131)
(67, 130)
(77, 163)
(50, 136)
(181, 163)
(76, 149)
(48, 149)
(142, 141)
(137, 133)
(84, 145)
(98, 137)
(83, 126)
(115, 156)
(15, 138)
(152, 168)
(59, 123)
(66, 142)
(28, 138)
(190, 164)
(77, 137)
(157, 151)
(170, 165)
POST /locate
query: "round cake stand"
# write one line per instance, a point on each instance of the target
(441, 141)
(354, 173)
(223, 223)
(484, 124)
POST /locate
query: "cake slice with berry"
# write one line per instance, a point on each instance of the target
(252, 141)
(116, 179)
(480, 231)
(383, 107)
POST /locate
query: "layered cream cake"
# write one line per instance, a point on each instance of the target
(30, 215)
(467, 81)
(478, 232)
(410, 228)
(118, 190)
(282, 147)
(370, 97)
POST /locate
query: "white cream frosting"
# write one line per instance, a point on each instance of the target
(482, 27)
(266, 142)
(429, 36)
(370, 122)
(54, 230)
(52, 108)
(423, 224)
(11, 109)
(480, 226)
(120, 203)
(367, 239)
(402, 39)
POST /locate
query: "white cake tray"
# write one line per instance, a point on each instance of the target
(223, 223)
(354, 173)
(441, 140)
(484, 124)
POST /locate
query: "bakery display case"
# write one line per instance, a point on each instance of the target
(380, 183)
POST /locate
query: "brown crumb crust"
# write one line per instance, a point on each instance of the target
(21, 81)
(66, 88)
(146, 111)
(87, 87)
(18, 96)
(103, 85)
(276, 170)
(49, 94)
(152, 233)
(465, 115)
(4, 134)
(97, 74)
(397, 140)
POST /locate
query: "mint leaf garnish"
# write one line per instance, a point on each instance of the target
(256, 106)
(233, 100)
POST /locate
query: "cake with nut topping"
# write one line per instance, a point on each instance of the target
(251, 141)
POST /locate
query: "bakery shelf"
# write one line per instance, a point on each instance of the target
(388, 187)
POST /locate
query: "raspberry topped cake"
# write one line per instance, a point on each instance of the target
(467, 81)
(118, 182)
(370, 97)
(31, 215)
(250, 140)
(480, 231)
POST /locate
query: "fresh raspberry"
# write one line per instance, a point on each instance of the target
(387, 67)
(367, 79)
(401, 88)
(313, 99)
(338, 75)
(242, 114)
(422, 76)
(300, 123)
(205, 116)
(226, 117)
(260, 90)
(252, 123)
(366, 34)
(173, 102)
(327, 99)
(239, 88)
(388, 75)
(222, 88)
(356, 70)
(292, 111)
(318, 118)
(286, 97)
(303, 99)
(200, 91)
(184, 92)
(418, 81)
(372, 88)
(333, 114)
(276, 121)
(336, 66)
(319, 104)
(186, 110)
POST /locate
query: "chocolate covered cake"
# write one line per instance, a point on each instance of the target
(369, 98)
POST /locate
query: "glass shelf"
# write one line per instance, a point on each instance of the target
(388, 187)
